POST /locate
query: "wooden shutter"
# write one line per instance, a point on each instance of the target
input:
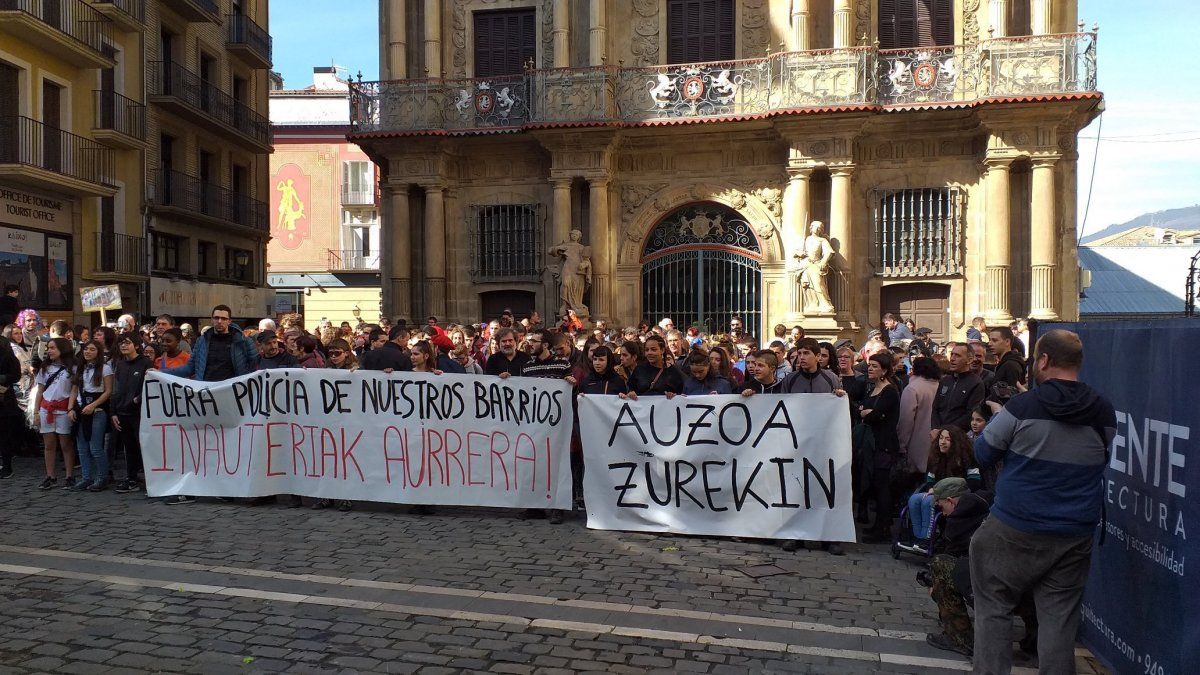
(700, 30)
(942, 18)
(905, 24)
(887, 24)
(504, 41)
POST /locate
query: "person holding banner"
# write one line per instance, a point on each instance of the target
(221, 353)
(654, 376)
(508, 360)
(129, 372)
(1053, 441)
(701, 377)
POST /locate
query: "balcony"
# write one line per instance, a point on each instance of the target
(353, 261)
(128, 15)
(120, 121)
(189, 198)
(120, 255)
(248, 41)
(197, 11)
(351, 197)
(42, 156)
(69, 29)
(185, 93)
(857, 78)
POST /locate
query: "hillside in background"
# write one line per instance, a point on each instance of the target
(1186, 218)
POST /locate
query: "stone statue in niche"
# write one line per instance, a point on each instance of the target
(814, 270)
(574, 274)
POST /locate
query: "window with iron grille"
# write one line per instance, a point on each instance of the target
(918, 232)
(507, 241)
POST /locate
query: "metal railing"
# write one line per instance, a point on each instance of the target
(135, 9)
(353, 260)
(352, 197)
(918, 233)
(120, 254)
(179, 190)
(31, 143)
(175, 81)
(73, 18)
(120, 113)
(244, 32)
(781, 83)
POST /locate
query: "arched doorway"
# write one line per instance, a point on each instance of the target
(700, 266)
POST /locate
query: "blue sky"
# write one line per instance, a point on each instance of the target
(1147, 72)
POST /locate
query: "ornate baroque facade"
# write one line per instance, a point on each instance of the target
(945, 174)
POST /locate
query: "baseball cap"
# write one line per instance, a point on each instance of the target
(921, 332)
(948, 488)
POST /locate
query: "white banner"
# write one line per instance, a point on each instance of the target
(770, 466)
(409, 438)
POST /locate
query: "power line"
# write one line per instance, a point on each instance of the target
(1091, 182)
(1136, 141)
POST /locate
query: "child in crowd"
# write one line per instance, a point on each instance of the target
(52, 402)
(761, 373)
(92, 386)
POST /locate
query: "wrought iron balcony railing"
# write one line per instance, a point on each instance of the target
(246, 35)
(352, 197)
(134, 9)
(31, 143)
(353, 261)
(119, 113)
(179, 190)
(173, 81)
(73, 18)
(120, 254)
(779, 84)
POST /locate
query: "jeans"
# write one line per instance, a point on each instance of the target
(920, 512)
(89, 446)
(1006, 564)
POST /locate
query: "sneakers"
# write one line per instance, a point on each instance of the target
(834, 548)
(792, 545)
(322, 504)
(178, 499)
(344, 505)
(6, 472)
(127, 486)
(48, 483)
(81, 486)
(98, 486)
(68, 482)
(556, 517)
(944, 642)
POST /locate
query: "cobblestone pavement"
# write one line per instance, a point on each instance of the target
(94, 583)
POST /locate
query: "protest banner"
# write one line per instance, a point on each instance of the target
(409, 438)
(1141, 612)
(766, 466)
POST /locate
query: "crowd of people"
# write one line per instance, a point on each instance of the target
(922, 414)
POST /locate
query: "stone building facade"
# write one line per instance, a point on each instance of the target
(934, 139)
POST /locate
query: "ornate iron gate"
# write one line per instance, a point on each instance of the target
(700, 267)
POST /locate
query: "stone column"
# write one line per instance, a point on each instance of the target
(435, 251)
(401, 254)
(843, 24)
(561, 227)
(1043, 242)
(841, 231)
(998, 17)
(800, 40)
(599, 236)
(796, 204)
(433, 38)
(397, 41)
(998, 236)
(562, 34)
(1040, 17)
(456, 260)
(597, 33)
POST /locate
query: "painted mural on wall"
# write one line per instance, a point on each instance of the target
(289, 206)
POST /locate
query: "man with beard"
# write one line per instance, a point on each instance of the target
(507, 361)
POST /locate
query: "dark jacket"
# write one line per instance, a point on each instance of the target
(1054, 442)
(960, 526)
(1011, 368)
(821, 382)
(387, 356)
(648, 380)
(127, 385)
(242, 351)
(498, 363)
(9, 307)
(596, 385)
(280, 360)
(882, 420)
(757, 387)
(449, 365)
(10, 378)
(957, 396)
(714, 384)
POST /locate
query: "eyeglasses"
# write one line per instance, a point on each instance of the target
(336, 352)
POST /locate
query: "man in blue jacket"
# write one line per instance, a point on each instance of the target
(1053, 442)
(221, 353)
